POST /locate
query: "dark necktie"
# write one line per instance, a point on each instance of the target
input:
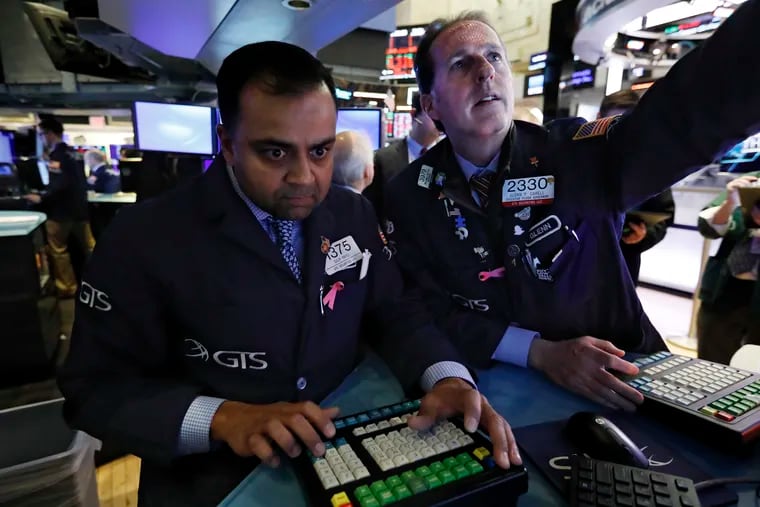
(283, 231)
(481, 184)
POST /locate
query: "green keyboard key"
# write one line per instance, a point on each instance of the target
(464, 458)
(417, 485)
(432, 481)
(393, 481)
(752, 388)
(450, 463)
(377, 487)
(735, 410)
(401, 492)
(436, 466)
(474, 467)
(719, 404)
(742, 392)
(423, 471)
(408, 476)
(369, 501)
(446, 476)
(362, 491)
(386, 497)
(744, 407)
(731, 398)
(460, 471)
(750, 403)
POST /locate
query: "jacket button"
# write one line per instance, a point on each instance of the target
(301, 384)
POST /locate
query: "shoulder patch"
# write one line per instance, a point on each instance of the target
(594, 128)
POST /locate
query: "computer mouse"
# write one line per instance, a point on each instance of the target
(600, 439)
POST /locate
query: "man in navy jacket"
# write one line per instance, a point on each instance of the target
(212, 318)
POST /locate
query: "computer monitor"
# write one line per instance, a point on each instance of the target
(42, 170)
(368, 120)
(175, 128)
(30, 173)
(6, 148)
(742, 158)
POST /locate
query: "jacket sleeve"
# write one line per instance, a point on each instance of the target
(661, 203)
(408, 339)
(706, 104)
(118, 381)
(475, 335)
(735, 232)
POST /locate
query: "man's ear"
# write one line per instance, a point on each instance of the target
(428, 106)
(225, 139)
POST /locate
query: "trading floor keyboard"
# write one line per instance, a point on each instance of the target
(721, 400)
(602, 483)
(376, 459)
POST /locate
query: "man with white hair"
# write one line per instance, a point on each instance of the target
(353, 165)
(103, 179)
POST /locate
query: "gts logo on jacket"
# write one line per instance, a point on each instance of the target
(228, 358)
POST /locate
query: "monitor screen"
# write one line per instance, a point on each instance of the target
(744, 157)
(174, 128)
(402, 124)
(368, 120)
(6, 148)
(42, 168)
(6, 170)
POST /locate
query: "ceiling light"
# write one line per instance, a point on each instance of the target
(297, 5)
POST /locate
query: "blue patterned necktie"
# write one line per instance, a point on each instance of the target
(283, 230)
(481, 184)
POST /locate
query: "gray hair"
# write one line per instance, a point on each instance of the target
(96, 156)
(352, 154)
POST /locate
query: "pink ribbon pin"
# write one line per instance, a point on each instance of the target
(496, 273)
(329, 298)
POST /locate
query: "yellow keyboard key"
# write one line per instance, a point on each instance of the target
(481, 453)
(340, 499)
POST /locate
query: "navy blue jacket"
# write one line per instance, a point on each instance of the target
(186, 295)
(580, 286)
(65, 197)
(107, 180)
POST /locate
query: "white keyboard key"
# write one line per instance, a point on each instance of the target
(405, 417)
(465, 440)
(345, 477)
(449, 425)
(383, 425)
(340, 469)
(396, 421)
(361, 473)
(386, 445)
(371, 427)
(413, 456)
(359, 431)
(380, 438)
(329, 480)
(427, 452)
(331, 452)
(393, 435)
(439, 448)
(392, 452)
(345, 449)
(385, 465)
(453, 444)
(400, 460)
(404, 448)
(406, 431)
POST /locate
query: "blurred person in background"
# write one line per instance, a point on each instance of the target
(103, 178)
(729, 313)
(65, 202)
(353, 167)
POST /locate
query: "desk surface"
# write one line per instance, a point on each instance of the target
(523, 396)
(19, 223)
(117, 198)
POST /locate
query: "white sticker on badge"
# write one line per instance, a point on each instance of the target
(343, 254)
(426, 176)
(531, 191)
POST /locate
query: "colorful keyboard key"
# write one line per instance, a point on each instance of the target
(401, 491)
(393, 481)
(481, 452)
(340, 500)
(446, 476)
(432, 481)
(417, 485)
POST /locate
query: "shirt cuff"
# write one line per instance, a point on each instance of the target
(708, 215)
(515, 346)
(194, 435)
(442, 370)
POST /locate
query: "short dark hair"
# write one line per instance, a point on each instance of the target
(423, 61)
(51, 125)
(275, 67)
(624, 99)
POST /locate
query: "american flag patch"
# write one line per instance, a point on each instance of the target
(594, 128)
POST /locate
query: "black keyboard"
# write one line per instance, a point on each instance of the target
(602, 483)
(375, 459)
(706, 398)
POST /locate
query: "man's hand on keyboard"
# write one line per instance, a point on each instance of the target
(585, 366)
(452, 396)
(253, 430)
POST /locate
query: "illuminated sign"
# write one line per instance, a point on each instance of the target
(399, 56)
(703, 24)
(538, 61)
(534, 85)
